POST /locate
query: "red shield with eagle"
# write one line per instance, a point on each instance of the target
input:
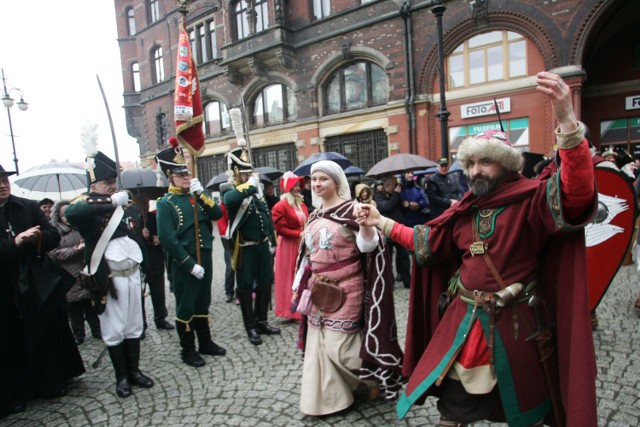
(609, 235)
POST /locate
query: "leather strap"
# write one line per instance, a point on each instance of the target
(101, 246)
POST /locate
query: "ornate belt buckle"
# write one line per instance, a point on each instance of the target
(478, 248)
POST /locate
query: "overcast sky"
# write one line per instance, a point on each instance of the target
(52, 51)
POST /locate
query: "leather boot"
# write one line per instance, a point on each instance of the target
(119, 360)
(136, 377)
(263, 298)
(205, 344)
(188, 343)
(246, 307)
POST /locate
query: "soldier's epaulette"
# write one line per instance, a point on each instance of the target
(80, 198)
(94, 200)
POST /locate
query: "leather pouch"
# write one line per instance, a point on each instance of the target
(88, 281)
(327, 295)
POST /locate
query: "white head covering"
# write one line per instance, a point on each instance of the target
(334, 171)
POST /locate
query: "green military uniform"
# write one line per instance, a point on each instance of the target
(177, 235)
(252, 236)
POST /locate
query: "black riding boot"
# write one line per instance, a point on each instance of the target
(136, 377)
(188, 343)
(205, 344)
(119, 360)
(263, 298)
(246, 307)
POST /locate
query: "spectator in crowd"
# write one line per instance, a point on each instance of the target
(306, 193)
(414, 201)
(442, 189)
(70, 255)
(389, 201)
(289, 217)
(363, 194)
(46, 206)
(269, 194)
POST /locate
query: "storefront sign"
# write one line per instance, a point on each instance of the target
(632, 102)
(485, 108)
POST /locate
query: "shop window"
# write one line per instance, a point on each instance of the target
(517, 129)
(364, 149)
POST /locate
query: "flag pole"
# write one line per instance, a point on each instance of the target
(113, 134)
(182, 8)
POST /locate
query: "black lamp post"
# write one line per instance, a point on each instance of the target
(443, 114)
(8, 103)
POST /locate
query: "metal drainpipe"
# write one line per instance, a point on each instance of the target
(405, 13)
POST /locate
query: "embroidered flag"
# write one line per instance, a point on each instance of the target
(187, 103)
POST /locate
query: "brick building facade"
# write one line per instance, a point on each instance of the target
(361, 76)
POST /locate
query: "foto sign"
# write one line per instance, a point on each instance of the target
(485, 108)
(632, 102)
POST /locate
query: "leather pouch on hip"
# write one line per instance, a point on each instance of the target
(88, 281)
(327, 295)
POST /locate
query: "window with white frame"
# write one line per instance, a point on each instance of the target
(489, 57)
(245, 16)
(216, 119)
(321, 9)
(202, 37)
(275, 104)
(135, 76)
(354, 86)
(157, 65)
(153, 11)
(131, 22)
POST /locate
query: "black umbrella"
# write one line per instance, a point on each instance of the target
(269, 172)
(399, 163)
(214, 184)
(304, 168)
(140, 180)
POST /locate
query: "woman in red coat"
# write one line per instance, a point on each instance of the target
(289, 217)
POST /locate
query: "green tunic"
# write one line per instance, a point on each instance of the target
(176, 232)
(91, 217)
(252, 237)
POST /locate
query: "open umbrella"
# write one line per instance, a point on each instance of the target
(304, 168)
(269, 172)
(53, 180)
(353, 171)
(399, 163)
(141, 180)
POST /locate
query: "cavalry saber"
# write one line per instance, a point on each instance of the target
(95, 364)
(113, 133)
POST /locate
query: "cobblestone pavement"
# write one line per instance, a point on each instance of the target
(259, 386)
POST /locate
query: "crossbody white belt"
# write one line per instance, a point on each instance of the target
(101, 246)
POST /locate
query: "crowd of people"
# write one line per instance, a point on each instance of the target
(481, 252)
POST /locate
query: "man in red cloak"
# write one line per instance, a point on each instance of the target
(511, 257)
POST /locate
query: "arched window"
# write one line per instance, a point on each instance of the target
(251, 20)
(216, 118)
(135, 76)
(157, 65)
(153, 11)
(354, 86)
(275, 104)
(488, 57)
(131, 21)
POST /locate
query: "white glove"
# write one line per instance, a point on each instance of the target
(120, 198)
(197, 271)
(272, 250)
(196, 186)
(254, 180)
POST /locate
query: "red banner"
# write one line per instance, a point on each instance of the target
(187, 104)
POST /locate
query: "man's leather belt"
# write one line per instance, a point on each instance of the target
(252, 242)
(124, 273)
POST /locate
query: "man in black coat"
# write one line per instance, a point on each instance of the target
(37, 351)
(389, 201)
(442, 189)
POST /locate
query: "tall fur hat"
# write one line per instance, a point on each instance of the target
(491, 144)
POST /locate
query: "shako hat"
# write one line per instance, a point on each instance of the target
(238, 162)
(171, 160)
(100, 167)
(6, 173)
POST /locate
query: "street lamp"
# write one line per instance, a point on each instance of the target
(8, 103)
